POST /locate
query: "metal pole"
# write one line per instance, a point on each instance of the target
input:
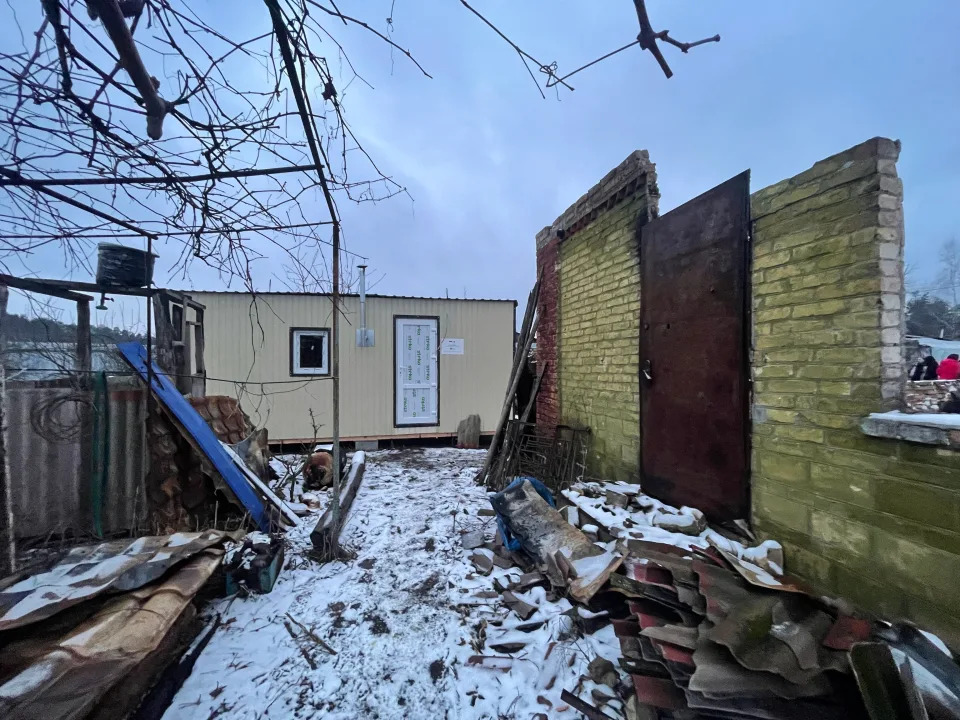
(363, 305)
(148, 399)
(335, 368)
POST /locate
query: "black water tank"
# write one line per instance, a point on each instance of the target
(120, 266)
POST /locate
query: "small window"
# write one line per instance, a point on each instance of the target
(309, 351)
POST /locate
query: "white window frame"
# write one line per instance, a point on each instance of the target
(296, 370)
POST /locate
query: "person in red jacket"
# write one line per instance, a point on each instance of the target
(949, 369)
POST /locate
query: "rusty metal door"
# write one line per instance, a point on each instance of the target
(693, 352)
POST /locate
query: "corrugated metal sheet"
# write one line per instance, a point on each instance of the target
(92, 570)
(125, 505)
(70, 672)
(51, 480)
(250, 342)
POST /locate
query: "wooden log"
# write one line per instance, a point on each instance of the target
(326, 534)
(468, 432)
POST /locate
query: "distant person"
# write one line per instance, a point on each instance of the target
(949, 369)
(925, 369)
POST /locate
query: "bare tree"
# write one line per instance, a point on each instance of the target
(949, 277)
(153, 121)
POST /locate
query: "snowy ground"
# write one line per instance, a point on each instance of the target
(404, 617)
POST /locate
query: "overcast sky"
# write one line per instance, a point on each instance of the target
(488, 162)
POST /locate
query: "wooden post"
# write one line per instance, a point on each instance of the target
(84, 342)
(162, 342)
(84, 382)
(198, 348)
(8, 548)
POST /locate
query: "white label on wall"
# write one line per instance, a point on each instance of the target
(452, 346)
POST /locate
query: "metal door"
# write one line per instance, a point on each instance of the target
(693, 352)
(416, 371)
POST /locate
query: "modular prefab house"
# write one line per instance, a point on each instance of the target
(423, 365)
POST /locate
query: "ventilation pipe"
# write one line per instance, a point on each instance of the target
(364, 336)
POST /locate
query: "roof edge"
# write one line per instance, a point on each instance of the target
(312, 294)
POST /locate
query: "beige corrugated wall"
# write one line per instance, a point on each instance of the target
(251, 341)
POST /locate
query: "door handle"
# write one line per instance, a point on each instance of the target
(647, 371)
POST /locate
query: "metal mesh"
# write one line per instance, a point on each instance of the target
(556, 458)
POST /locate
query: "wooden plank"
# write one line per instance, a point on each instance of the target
(505, 412)
(43, 287)
(326, 533)
(533, 393)
(64, 288)
(84, 343)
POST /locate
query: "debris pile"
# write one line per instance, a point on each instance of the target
(706, 626)
(88, 636)
(254, 563)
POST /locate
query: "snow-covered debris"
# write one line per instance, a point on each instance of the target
(647, 519)
(406, 628)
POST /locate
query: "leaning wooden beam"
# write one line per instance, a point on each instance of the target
(508, 450)
(533, 393)
(505, 412)
(325, 536)
(519, 356)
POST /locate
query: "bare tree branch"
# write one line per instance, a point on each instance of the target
(648, 38)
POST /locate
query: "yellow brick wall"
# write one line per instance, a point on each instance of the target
(876, 521)
(599, 336)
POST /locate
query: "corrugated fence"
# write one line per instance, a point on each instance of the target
(51, 472)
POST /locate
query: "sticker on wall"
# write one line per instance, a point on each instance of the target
(452, 346)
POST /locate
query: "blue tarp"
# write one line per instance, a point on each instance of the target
(509, 541)
(178, 406)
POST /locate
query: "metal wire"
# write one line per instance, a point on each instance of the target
(59, 418)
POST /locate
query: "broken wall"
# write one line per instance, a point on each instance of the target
(590, 315)
(873, 520)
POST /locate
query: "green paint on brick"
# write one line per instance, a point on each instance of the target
(599, 330)
(876, 521)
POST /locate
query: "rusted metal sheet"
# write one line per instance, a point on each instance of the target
(93, 570)
(52, 478)
(66, 675)
(694, 397)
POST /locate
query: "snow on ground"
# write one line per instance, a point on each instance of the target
(404, 618)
